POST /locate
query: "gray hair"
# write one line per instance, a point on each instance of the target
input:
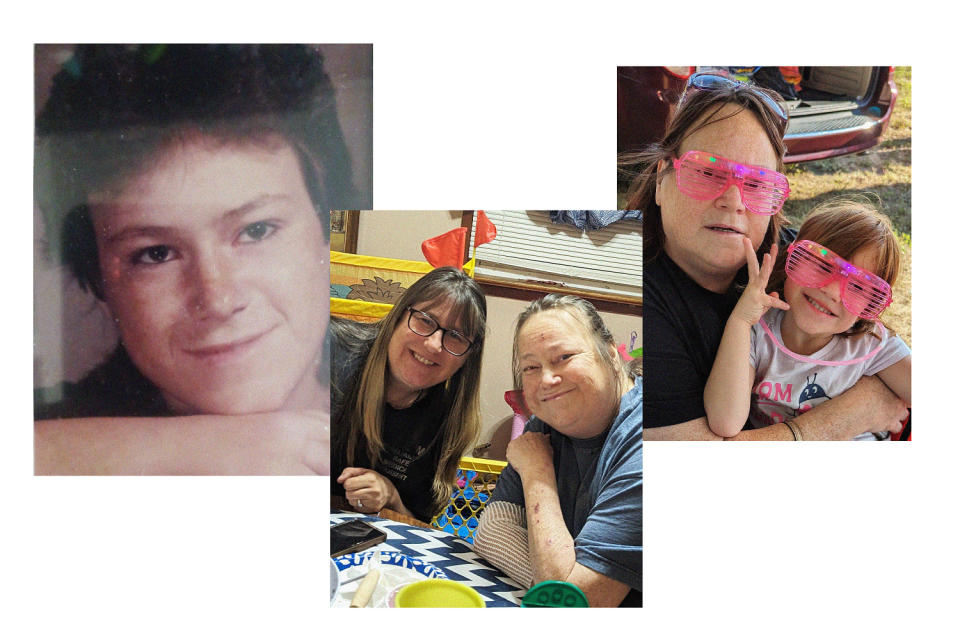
(588, 317)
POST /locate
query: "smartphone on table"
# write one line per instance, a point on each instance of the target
(353, 536)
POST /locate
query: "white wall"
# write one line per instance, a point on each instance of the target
(398, 234)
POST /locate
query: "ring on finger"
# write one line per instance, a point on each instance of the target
(359, 504)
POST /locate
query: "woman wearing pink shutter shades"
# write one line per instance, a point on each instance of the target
(817, 333)
(711, 187)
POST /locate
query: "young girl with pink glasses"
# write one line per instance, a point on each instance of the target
(817, 332)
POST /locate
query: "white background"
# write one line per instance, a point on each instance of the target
(510, 107)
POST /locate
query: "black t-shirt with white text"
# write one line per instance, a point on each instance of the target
(412, 439)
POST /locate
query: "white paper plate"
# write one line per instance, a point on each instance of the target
(334, 580)
(396, 570)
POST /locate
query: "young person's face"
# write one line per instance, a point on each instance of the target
(215, 272)
(818, 313)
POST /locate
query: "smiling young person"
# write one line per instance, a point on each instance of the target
(570, 504)
(816, 334)
(188, 188)
(213, 267)
(694, 257)
(404, 396)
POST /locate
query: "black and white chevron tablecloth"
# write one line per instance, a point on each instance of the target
(448, 552)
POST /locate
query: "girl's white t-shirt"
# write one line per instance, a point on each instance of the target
(785, 387)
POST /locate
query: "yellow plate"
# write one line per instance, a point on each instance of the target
(438, 593)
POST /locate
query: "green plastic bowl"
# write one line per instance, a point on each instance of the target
(438, 593)
(554, 593)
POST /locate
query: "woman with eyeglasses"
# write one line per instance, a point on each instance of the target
(404, 396)
(715, 180)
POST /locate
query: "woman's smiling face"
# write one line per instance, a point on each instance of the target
(215, 273)
(565, 383)
(704, 236)
(418, 362)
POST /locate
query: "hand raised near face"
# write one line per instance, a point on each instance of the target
(279, 443)
(755, 301)
(531, 453)
(276, 443)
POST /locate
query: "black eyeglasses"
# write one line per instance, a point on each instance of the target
(423, 324)
(713, 82)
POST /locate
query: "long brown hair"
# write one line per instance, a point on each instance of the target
(847, 225)
(696, 110)
(459, 395)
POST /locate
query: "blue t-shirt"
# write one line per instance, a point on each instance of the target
(600, 486)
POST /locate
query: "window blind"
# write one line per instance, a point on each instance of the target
(531, 248)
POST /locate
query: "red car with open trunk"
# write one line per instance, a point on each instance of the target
(833, 110)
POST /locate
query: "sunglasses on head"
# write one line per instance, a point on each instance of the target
(704, 176)
(862, 293)
(714, 82)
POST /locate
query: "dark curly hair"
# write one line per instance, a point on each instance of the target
(112, 108)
